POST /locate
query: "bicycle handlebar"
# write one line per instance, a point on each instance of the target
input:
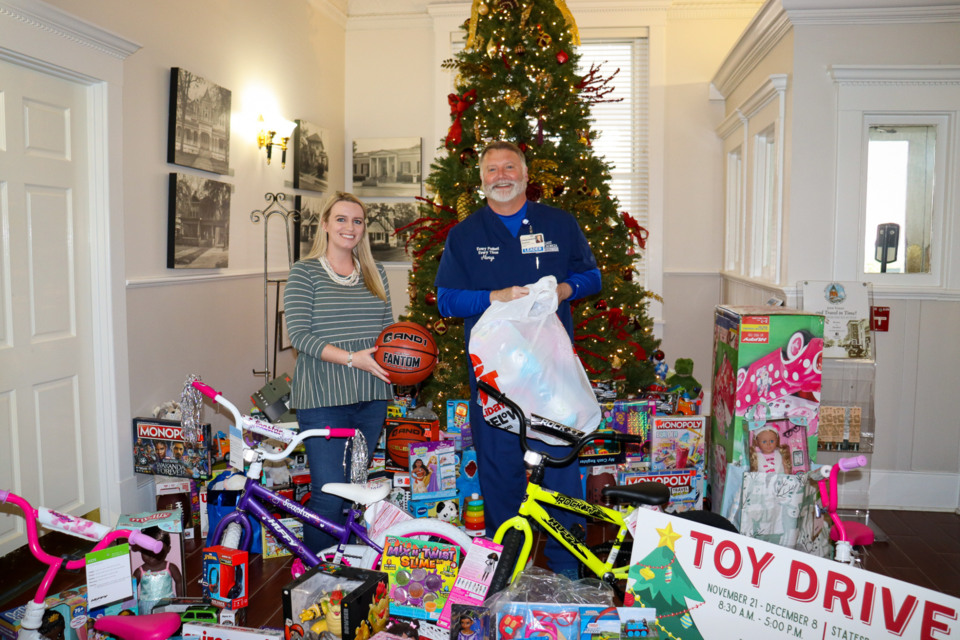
(549, 427)
(205, 389)
(142, 540)
(849, 464)
(303, 435)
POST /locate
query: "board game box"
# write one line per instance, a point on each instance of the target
(160, 449)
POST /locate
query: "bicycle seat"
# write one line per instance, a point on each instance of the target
(156, 626)
(356, 493)
(648, 493)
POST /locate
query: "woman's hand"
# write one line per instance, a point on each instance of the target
(364, 361)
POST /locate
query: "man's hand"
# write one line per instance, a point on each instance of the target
(564, 291)
(508, 294)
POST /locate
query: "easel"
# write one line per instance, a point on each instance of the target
(274, 207)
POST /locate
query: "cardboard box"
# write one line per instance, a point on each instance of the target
(686, 486)
(364, 605)
(226, 574)
(433, 470)
(767, 365)
(164, 524)
(160, 449)
(68, 604)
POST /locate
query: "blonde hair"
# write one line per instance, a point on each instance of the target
(361, 252)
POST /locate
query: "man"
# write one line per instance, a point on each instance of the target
(178, 451)
(490, 256)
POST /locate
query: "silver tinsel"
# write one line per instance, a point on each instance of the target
(356, 450)
(191, 404)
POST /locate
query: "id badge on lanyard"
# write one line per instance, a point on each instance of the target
(532, 243)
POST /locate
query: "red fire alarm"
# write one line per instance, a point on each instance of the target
(880, 318)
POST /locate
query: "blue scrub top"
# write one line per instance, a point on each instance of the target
(481, 254)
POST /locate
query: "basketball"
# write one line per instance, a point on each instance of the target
(399, 436)
(407, 352)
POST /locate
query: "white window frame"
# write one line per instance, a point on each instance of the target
(763, 111)
(882, 94)
(766, 209)
(733, 209)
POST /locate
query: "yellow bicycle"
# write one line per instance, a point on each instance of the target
(516, 534)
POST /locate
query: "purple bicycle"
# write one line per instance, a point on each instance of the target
(235, 530)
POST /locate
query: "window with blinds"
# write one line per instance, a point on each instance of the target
(619, 129)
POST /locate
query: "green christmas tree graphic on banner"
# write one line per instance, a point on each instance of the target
(659, 582)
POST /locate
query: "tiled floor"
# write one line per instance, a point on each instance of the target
(923, 549)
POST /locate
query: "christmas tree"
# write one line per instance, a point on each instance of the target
(659, 582)
(518, 80)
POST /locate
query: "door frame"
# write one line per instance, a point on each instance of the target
(44, 38)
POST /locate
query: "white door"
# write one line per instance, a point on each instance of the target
(48, 437)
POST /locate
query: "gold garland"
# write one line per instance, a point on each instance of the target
(561, 5)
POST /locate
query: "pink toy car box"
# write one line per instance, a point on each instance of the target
(767, 368)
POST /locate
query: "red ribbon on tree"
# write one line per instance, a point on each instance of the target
(458, 105)
(616, 320)
(635, 229)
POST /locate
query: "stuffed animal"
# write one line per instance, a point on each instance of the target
(683, 376)
(277, 471)
(169, 410)
(448, 511)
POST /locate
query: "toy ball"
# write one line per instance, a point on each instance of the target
(407, 352)
(399, 437)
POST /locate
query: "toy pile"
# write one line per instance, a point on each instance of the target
(667, 416)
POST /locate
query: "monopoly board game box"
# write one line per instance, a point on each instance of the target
(767, 367)
(160, 449)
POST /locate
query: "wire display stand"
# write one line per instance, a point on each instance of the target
(274, 208)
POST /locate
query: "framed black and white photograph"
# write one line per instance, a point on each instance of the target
(198, 231)
(311, 160)
(305, 230)
(384, 167)
(199, 134)
(384, 219)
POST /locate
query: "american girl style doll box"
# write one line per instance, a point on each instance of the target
(433, 470)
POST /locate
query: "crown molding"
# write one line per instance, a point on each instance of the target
(714, 11)
(825, 12)
(766, 29)
(773, 86)
(332, 10)
(58, 22)
(858, 74)
(390, 21)
(731, 123)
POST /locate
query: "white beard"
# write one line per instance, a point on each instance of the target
(499, 196)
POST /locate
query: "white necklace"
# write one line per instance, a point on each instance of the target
(347, 281)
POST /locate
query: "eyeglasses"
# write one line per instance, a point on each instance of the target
(559, 618)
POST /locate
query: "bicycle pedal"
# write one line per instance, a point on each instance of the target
(579, 532)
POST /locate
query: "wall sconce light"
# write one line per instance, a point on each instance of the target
(278, 127)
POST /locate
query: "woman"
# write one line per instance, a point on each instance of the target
(336, 303)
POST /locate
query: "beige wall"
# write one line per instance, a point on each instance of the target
(917, 457)
(693, 189)
(292, 56)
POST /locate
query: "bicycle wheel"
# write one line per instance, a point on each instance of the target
(427, 529)
(231, 537)
(512, 543)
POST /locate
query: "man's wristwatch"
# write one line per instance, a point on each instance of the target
(350, 360)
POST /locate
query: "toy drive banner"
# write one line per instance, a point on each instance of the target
(709, 584)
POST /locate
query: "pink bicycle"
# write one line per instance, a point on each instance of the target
(846, 534)
(152, 627)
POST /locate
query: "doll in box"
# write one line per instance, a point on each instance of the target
(766, 452)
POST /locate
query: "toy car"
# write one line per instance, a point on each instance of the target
(200, 613)
(636, 629)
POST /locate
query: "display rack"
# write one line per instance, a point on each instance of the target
(273, 208)
(850, 383)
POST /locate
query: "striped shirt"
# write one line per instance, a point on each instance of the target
(321, 312)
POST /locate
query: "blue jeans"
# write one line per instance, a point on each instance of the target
(326, 458)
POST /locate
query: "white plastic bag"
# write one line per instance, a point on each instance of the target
(521, 348)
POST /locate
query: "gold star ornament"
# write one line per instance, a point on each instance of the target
(668, 537)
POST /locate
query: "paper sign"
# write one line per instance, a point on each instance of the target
(846, 308)
(709, 584)
(109, 576)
